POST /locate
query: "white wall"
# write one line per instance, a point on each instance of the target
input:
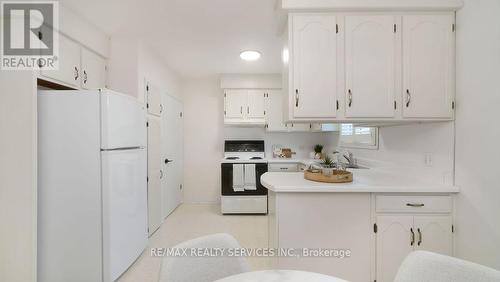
(131, 62)
(404, 148)
(150, 66)
(18, 155)
(204, 135)
(478, 133)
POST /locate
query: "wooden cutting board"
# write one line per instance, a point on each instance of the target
(338, 176)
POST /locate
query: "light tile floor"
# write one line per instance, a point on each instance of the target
(189, 221)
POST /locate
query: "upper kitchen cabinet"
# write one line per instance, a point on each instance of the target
(428, 66)
(79, 68)
(93, 70)
(243, 106)
(153, 98)
(377, 67)
(69, 71)
(234, 102)
(274, 112)
(371, 47)
(255, 104)
(313, 66)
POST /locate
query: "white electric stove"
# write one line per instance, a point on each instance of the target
(245, 157)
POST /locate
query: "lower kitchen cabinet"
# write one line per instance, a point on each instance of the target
(425, 225)
(381, 229)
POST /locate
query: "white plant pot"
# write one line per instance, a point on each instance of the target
(327, 171)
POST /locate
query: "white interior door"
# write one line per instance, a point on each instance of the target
(434, 234)
(124, 206)
(370, 50)
(314, 63)
(172, 152)
(155, 174)
(394, 243)
(235, 103)
(428, 65)
(255, 104)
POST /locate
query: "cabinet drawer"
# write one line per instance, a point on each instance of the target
(413, 204)
(283, 167)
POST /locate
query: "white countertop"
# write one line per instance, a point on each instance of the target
(365, 181)
(272, 160)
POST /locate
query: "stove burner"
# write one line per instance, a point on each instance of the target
(256, 158)
(232, 158)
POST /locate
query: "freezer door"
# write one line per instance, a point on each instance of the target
(123, 121)
(124, 194)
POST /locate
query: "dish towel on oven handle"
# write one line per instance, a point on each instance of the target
(238, 178)
(250, 179)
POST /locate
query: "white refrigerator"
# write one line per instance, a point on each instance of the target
(92, 185)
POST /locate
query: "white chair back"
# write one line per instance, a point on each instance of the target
(206, 268)
(422, 266)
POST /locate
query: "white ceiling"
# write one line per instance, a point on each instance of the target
(194, 37)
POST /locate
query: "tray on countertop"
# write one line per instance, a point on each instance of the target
(338, 176)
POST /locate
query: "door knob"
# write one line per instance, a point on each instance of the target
(168, 161)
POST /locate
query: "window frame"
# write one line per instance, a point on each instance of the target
(360, 145)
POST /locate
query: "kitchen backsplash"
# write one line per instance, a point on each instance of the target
(300, 142)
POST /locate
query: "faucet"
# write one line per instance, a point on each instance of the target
(349, 157)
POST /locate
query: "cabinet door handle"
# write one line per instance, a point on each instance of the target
(161, 108)
(350, 97)
(296, 97)
(241, 110)
(248, 110)
(161, 174)
(84, 77)
(76, 73)
(419, 237)
(408, 98)
(414, 205)
(412, 237)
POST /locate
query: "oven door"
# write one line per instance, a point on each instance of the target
(227, 181)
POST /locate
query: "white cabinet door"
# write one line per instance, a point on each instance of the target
(154, 174)
(370, 53)
(234, 103)
(428, 66)
(153, 97)
(314, 65)
(274, 112)
(433, 233)
(255, 104)
(393, 243)
(93, 70)
(69, 71)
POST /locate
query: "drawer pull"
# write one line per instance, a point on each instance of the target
(412, 237)
(414, 205)
(284, 168)
(419, 237)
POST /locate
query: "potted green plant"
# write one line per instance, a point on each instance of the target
(327, 166)
(318, 149)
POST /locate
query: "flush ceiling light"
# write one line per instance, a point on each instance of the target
(250, 55)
